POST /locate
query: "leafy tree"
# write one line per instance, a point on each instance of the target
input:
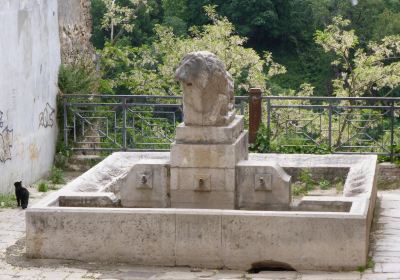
(118, 18)
(135, 29)
(150, 69)
(363, 72)
(371, 72)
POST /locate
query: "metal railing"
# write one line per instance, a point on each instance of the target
(147, 123)
(336, 125)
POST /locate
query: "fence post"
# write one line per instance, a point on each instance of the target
(124, 124)
(255, 101)
(330, 126)
(392, 118)
(65, 113)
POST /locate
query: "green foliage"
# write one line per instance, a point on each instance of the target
(305, 183)
(151, 37)
(62, 154)
(57, 176)
(150, 69)
(43, 187)
(262, 142)
(324, 184)
(370, 265)
(7, 201)
(305, 177)
(284, 27)
(77, 78)
(363, 73)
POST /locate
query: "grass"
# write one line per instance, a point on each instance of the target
(57, 176)
(324, 185)
(43, 187)
(299, 189)
(370, 264)
(8, 201)
(306, 183)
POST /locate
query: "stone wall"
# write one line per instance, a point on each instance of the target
(29, 62)
(388, 176)
(75, 23)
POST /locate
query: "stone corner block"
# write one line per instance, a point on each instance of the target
(146, 185)
(262, 186)
(210, 155)
(210, 134)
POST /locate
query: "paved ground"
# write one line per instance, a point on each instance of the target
(385, 252)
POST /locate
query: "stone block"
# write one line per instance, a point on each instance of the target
(202, 200)
(262, 185)
(303, 242)
(210, 156)
(141, 237)
(146, 185)
(79, 199)
(215, 179)
(210, 134)
(200, 233)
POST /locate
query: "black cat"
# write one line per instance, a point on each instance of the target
(22, 195)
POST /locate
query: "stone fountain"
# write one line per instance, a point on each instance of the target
(208, 202)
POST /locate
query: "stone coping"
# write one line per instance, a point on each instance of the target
(116, 166)
(212, 238)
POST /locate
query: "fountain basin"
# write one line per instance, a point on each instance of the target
(85, 221)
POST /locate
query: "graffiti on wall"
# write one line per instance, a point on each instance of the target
(6, 140)
(46, 117)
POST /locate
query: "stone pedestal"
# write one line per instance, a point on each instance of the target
(203, 161)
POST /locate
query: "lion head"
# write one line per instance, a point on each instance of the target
(208, 97)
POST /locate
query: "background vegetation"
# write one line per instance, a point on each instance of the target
(284, 28)
(292, 48)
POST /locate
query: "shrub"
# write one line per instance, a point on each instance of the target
(299, 189)
(324, 184)
(43, 187)
(57, 176)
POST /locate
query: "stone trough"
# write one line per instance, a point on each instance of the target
(86, 221)
(208, 202)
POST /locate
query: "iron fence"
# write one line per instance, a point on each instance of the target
(334, 125)
(319, 124)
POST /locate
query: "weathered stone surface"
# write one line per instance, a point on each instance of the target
(208, 97)
(293, 239)
(388, 176)
(75, 25)
(210, 156)
(147, 185)
(89, 200)
(304, 240)
(210, 134)
(262, 185)
(12, 228)
(110, 174)
(142, 237)
(202, 200)
(202, 234)
(221, 179)
(30, 60)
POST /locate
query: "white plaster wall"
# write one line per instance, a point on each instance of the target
(29, 62)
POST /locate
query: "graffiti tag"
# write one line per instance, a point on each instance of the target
(6, 139)
(46, 117)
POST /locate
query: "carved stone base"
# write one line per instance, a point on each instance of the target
(210, 155)
(212, 188)
(210, 134)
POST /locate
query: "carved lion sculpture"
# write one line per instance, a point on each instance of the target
(208, 98)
